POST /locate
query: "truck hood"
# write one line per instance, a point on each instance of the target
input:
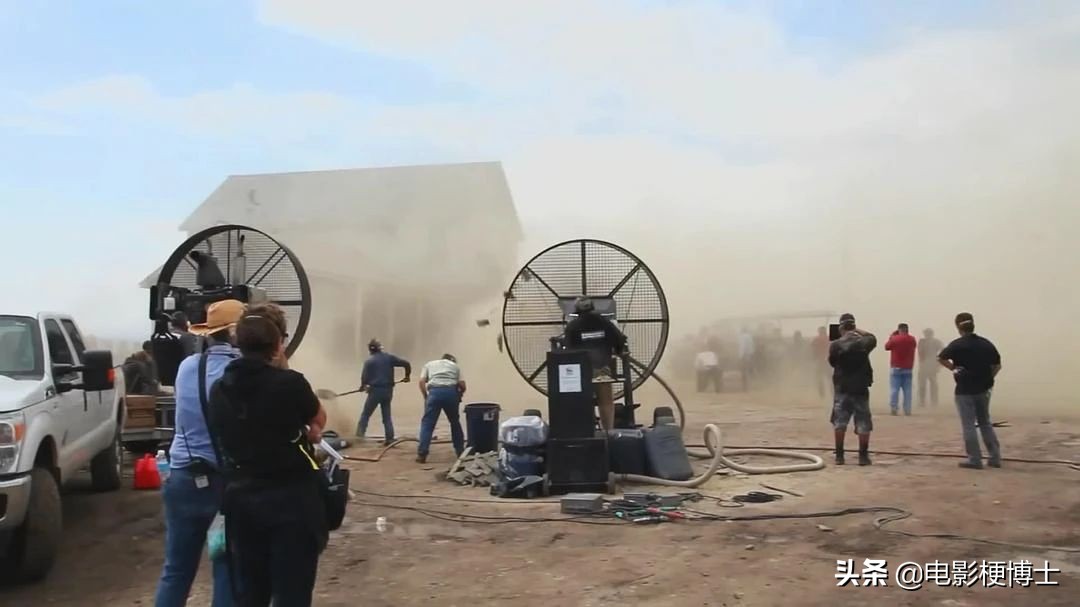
(17, 394)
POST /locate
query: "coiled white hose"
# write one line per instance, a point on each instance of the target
(715, 446)
(713, 442)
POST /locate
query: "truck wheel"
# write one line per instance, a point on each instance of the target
(106, 467)
(33, 549)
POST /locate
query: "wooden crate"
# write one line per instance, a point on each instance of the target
(140, 411)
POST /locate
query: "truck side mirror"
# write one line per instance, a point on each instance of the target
(97, 371)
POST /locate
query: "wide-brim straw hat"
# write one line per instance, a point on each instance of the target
(220, 316)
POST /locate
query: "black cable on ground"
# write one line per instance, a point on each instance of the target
(756, 497)
(880, 523)
(524, 502)
(458, 517)
(382, 452)
(892, 515)
(1022, 460)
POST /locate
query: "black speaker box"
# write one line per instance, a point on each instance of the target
(571, 405)
(577, 465)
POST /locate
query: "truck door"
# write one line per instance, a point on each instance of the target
(98, 417)
(70, 410)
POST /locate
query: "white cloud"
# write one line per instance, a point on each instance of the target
(601, 104)
(240, 111)
(684, 67)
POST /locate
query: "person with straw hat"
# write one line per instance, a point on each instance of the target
(194, 490)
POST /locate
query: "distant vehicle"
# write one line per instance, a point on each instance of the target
(61, 410)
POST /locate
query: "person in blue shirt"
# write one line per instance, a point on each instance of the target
(377, 379)
(194, 491)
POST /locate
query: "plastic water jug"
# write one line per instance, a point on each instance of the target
(162, 461)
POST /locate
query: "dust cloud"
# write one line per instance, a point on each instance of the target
(930, 180)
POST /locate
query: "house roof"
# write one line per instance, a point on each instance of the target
(371, 222)
(369, 198)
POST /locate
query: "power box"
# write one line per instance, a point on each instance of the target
(582, 503)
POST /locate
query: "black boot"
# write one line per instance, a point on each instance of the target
(864, 458)
(839, 457)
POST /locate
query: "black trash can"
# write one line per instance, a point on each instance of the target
(482, 426)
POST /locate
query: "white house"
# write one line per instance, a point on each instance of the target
(394, 253)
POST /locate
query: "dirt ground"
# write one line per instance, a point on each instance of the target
(112, 551)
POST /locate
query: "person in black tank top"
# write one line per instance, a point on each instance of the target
(265, 419)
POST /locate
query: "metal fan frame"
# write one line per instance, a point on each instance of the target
(639, 266)
(181, 254)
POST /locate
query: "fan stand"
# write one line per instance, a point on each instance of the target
(538, 304)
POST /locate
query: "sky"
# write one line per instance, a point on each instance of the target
(117, 118)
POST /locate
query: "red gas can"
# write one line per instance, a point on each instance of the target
(146, 473)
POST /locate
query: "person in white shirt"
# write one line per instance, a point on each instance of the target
(707, 365)
(746, 355)
(443, 385)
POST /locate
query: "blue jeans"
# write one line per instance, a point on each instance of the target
(441, 400)
(378, 397)
(900, 379)
(188, 513)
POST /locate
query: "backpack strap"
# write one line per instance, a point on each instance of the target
(206, 410)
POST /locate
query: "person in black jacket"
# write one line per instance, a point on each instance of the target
(189, 342)
(266, 418)
(589, 328)
(140, 373)
(852, 377)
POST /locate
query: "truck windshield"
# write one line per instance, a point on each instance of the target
(21, 356)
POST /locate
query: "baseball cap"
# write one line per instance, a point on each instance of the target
(847, 318)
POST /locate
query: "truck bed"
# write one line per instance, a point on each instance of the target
(146, 437)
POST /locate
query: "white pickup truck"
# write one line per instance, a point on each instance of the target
(61, 408)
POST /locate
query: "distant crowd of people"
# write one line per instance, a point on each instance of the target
(844, 363)
(766, 357)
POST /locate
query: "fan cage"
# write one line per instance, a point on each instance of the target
(594, 268)
(269, 265)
